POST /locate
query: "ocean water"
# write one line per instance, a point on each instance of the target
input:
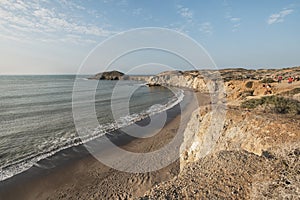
(36, 118)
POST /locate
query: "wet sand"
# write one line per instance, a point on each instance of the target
(75, 174)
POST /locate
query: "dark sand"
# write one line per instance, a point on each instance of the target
(80, 176)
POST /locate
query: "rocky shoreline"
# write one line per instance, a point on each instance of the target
(240, 140)
(256, 152)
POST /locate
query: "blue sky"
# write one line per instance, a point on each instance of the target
(54, 36)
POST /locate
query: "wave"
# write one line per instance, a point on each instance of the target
(24, 164)
(84, 79)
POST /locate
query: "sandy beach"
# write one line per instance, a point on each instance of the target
(81, 176)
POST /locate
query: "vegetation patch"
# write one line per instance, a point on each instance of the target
(247, 93)
(274, 104)
(267, 80)
(291, 92)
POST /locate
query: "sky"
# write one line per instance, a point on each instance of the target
(57, 36)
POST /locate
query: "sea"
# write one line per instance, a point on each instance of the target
(36, 118)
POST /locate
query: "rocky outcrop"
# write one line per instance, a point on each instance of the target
(235, 153)
(252, 157)
(111, 75)
(116, 75)
(212, 126)
(199, 81)
(253, 132)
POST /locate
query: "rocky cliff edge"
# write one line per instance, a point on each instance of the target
(232, 151)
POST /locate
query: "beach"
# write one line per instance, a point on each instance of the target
(247, 149)
(83, 177)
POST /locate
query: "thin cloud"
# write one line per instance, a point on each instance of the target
(206, 27)
(187, 22)
(71, 5)
(279, 17)
(40, 23)
(137, 11)
(236, 23)
(184, 12)
(235, 19)
(117, 2)
(235, 27)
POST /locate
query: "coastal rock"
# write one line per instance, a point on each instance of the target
(236, 153)
(116, 75)
(251, 158)
(179, 79)
(111, 75)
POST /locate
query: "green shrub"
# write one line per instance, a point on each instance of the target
(267, 80)
(247, 93)
(276, 104)
(252, 103)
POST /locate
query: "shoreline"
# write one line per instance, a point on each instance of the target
(56, 177)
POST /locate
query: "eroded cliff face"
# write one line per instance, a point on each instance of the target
(254, 156)
(223, 125)
(253, 132)
(235, 153)
(179, 79)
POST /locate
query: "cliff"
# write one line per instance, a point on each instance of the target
(193, 80)
(237, 152)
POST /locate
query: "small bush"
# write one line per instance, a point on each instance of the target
(252, 103)
(267, 80)
(276, 104)
(247, 93)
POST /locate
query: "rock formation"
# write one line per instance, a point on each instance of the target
(116, 75)
(234, 152)
(111, 75)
